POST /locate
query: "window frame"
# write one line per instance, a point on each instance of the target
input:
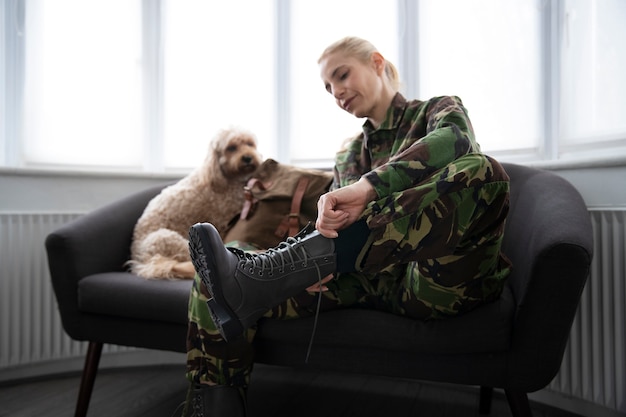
(12, 80)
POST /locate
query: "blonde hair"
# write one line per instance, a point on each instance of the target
(362, 50)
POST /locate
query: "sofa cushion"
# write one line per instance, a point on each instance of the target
(486, 329)
(126, 295)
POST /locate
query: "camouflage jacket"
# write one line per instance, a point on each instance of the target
(416, 139)
(439, 219)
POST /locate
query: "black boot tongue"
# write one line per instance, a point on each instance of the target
(305, 230)
(317, 245)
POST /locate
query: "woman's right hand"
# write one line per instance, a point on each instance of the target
(339, 208)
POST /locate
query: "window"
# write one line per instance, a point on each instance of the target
(593, 62)
(135, 85)
(491, 61)
(318, 126)
(82, 83)
(218, 72)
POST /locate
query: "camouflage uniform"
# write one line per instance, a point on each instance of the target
(436, 231)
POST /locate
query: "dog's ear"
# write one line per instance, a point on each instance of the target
(214, 144)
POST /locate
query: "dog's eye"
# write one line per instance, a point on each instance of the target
(231, 148)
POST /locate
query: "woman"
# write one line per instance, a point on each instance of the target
(413, 225)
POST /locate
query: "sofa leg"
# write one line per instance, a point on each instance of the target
(88, 378)
(484, 406)
(518, 402)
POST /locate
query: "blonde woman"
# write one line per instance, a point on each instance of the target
(412, 224)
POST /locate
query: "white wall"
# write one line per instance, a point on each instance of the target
(32, 191)
(600, 184)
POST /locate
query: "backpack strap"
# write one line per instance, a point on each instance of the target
(249, 200)
(290, 225)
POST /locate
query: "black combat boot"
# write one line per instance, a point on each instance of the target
(245, 286)
(214, 401)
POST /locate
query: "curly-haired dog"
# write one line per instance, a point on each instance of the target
(212, 193)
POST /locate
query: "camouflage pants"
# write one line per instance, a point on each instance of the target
(433, 252)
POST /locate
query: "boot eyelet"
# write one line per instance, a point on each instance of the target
(293, 267)
(251, 270)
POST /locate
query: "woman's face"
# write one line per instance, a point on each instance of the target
(357, 86)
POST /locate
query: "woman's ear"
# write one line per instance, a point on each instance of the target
(378, 61)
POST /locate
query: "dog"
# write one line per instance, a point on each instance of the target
(213, 193)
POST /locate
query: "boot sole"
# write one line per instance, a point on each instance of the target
(222, 315)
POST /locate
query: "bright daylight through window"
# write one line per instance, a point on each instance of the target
(131, 85)
(82, 91)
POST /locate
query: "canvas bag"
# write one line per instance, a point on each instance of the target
(280, 200)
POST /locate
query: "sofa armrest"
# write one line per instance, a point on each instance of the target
(550, 241)
(94, 243)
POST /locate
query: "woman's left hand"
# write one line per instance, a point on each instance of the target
(319, 286)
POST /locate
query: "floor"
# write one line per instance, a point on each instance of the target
(274, 392)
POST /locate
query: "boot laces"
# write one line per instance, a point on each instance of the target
(286, 254)
(197, 405)
(275, 258)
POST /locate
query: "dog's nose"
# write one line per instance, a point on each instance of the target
(246, 159)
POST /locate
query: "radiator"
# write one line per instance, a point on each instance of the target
(594, 365)
(593, 369)
(30, 326)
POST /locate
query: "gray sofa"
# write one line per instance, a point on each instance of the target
(515, 343)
